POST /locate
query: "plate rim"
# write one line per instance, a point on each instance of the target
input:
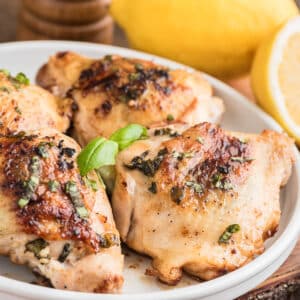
(287, 237)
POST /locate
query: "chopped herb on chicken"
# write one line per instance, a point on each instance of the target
(72, 190)
(36, 246)
(53, 185)
(177, 194)
(150, 166)
(227, 234)
(153, 187)
(65, 252)
(108, 240)
(197, 187)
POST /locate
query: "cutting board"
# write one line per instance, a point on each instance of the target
(285, 283)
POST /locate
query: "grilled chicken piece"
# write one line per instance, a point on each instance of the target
(52, 219)
(204, 201)
(114, 91)
(29, 107)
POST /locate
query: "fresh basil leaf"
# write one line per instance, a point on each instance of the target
(127, 135)
(86, 154)
(99, 152)
(100, 178)
(108, 174)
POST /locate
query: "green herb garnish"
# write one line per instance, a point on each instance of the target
(5, 72)
(182, 155)
(200, 140)
(165, 131)
(99, 152)
(150, 166)
(5, 89)
(177, 194)
(18, 110)
(72, 190)
(42, 150)
(153, 187)
(53, 185)
(227, 234)
(36, 246)
(139, 67)
(91, 184)
(162, 131)
(170, 118)
(241, 159)
(22, 202)
(82, 212)
(108, 239)
(197, 187)
(177, 155)
(188, 154)
(16, 81)
(35, 165)
(65, 252)
(133, 76)
(219, 182)
(125, 136)
(108, 57)
(31, 184)
(22, 79)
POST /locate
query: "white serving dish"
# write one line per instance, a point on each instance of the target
(240, 115)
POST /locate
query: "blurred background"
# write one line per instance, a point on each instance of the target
(10, 23)
(165, 28)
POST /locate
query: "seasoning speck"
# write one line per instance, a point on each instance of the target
(42, 150)
(65, 252)
(170, 118)
(177, 194)
(153, 187)
(18, 110)
(200, 140)
(241, 159)
(5, 89)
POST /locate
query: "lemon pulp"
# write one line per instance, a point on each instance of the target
(289, 76)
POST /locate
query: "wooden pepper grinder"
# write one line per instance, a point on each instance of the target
(80, 20)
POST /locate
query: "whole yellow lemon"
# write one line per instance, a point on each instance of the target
(217, 36)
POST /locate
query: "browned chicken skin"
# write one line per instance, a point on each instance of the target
(114, 91)
(203, 201)
(52, 219)
(29, 107)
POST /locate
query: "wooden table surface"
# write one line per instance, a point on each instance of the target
(289, 273)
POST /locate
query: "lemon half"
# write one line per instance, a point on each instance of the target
(275, 76)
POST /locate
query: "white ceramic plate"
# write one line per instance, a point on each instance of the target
(240, 115)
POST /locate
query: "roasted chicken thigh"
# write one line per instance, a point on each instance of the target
(28, 107)
(114, 91)
(52, 219)
(200, 199)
